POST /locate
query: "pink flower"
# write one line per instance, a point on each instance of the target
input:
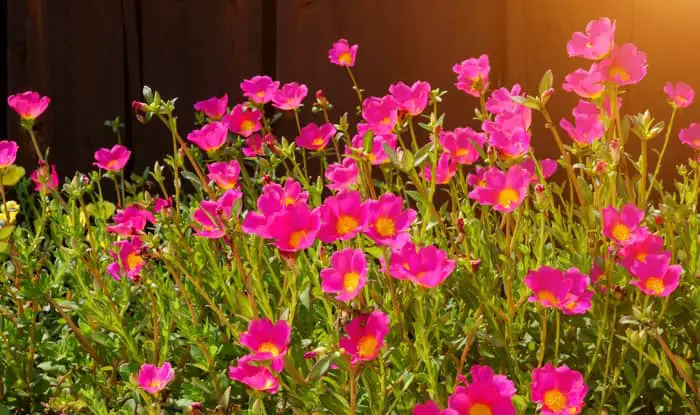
(501, 100)
(365, 337)
(680, 94)
(267, 341)
(113, 159)
(294, 228)
(567, 291)
(473, 75)
(162, 205)
(8, 153)
(342, 54)
(487, 394)
(476, 179)
(626, 65)
(411, 99)
(211, 217)
(589, 127)
(43, 181)
(259, 89)
(508, 132)
(505, 191)
(655, 276)
(224, 174)
(342, 176)
(388, 224)
(347, 274)
(127, 259)
(214, 108)
(596, 43)
(342, 217)
(243, 121)
(643, 244)
(586, 84)
(29, 105)
(548, 166)
(289, 96)
(154, 379)
(559, 390)
(462, 144)
(381, 114)
(131, 220)
(623, 225)
(691, 136)
(432, 408)
(377, 155)
(315, 137)
(210, 137)
(426, 266)
(444, 170)
(259, 378)
(254, 146)
(274, 199)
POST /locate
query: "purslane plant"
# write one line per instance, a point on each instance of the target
(387, 267)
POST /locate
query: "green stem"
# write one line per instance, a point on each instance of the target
(643, 177)
(556, 339)
(358, 92)
(543, 338)
(661, 154)
(34, 143)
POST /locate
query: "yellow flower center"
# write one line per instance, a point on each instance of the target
(345, 58)
(546, 295)
(621, 232)
(112, 164)
(289, 201)
(155, 384)
(619, 71)
(133, 260)
(318, 142)
(385, 121)
(260, 94)
(385, 227)
(268, 347)
(350, 281)
(367, 346)
(655, 285)
(345, 225)
(480, 409)
(296, 237)
(554, 400)
(507, 197)
(461, 152)
(269, 383)
(247, 126)
(641, 256)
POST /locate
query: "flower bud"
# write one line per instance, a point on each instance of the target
(600, 167)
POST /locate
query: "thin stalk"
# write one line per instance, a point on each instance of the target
(543, 338)
(661, 154)
(556, 338)
(643, 177)
(35, 144)
(358, 92)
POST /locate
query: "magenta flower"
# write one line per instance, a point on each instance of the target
(260, 89)
(347, 274)
(444, 170)
(643, 244)
(548, 166)
(381, 114)
(462, 144)
(586, 84)
(691, 136)
(267, 341)
(294, 228)
(655, 276)
(133, 219)
(388, 224)
(113, 159)
(211, 217)
(154, 379)
(289, 96)
(488, 393)
(411, 99)
(274, 198)
(243, 121)
(342, 54)
(224, 174)
(626, 65)
(162, 205)
(43, 181)
(259, 378)
(432, 408)
(214, 108)
(596, 43)
(426, 266)
(377, 155)
(342, 176)
(509, 134)
(254, 146)
(559, 391)
(621, 226)
(315, 137)
(553, 288)
(365, 337)
(476, 179)
(8, 153)
(680, 94)
(29, 105)
(501, 100)
(342, 217)
(505, 191)
(127, 259)
(473, 75)
(588, 126)
(210, 137)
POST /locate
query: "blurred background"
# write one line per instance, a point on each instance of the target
(93, 56)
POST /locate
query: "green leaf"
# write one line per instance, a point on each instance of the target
(527, 102)
(12, 175)
(147, 94)
(6, 232)
(407, 161)
(391, 154)
(546, 82)
(320, 368)
(367, 141)
(101, 210)
(422, 154)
